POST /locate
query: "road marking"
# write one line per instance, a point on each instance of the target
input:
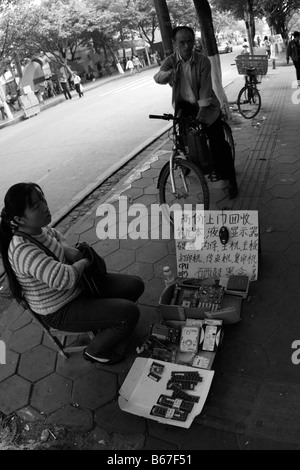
(135, 84)
(42, 178)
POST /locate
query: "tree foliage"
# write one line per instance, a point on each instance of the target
(277, 13)
(17, 21)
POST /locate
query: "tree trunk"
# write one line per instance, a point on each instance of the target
(164, 25)
(211, 49)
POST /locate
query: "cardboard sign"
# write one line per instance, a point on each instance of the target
(204, 255)
(277, 39)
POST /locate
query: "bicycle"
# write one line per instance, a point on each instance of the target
(229, 137)
(182, 179)
(249, 99)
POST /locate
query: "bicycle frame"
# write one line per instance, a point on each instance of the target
(250, 79)
(175, 153)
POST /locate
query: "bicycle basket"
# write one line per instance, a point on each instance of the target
(258, 62)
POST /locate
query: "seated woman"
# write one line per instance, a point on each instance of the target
(50, 287)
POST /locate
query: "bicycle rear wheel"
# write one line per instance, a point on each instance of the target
(190, 186)
(229, 137)
(249, 102)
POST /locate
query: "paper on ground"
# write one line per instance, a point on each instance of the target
(139, 393)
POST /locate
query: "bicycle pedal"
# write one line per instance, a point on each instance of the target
(214, 178)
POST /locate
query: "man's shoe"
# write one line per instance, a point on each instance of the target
(111, 358)
(232, 190)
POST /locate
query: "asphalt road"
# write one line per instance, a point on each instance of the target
(70, 149)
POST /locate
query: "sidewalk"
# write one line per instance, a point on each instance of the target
(254, 399)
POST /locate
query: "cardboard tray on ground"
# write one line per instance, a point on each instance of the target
(139, 392)
(179, 313)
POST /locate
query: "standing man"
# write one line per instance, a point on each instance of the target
(65, 86)
(77, 84)
(293, 51)
(189, 74)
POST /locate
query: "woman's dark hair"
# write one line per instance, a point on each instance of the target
(296, 34)
(179, 28)
(16, 200)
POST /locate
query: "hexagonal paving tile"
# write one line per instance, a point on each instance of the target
(14, 394)
(293, 254)
(294, 233)
(142, 183)
(105, 247)
(272, 265)
(275, 242)
(115, 420)
(151, 253)
(243, 358)
(132, 193)
(285, 310)
(10, 366)
(72, 416)
(290, 280)
(51, 393)
(143, 270)
(94, 389)
(83, 227)
(23, 320)
(73, 367)
(283, 191)
(130, 244)
(119, 260)
(37, 363)
(26, 338)
(280, 206)
(153, 290)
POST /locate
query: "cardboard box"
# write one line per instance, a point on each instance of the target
(237, 285)
(202, 358)
(141, 391)
(180, 313)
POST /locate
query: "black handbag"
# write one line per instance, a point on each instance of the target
(92, 277)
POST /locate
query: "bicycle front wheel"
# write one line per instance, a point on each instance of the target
(249, 102)
(190, 186)
(229, 138)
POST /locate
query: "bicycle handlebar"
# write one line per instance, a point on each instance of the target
(165, 117)
(190, 120)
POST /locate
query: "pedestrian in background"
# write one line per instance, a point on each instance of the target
(267, 46)
(137, 64)
(77, 84)
(293, 52)
(245, 49)
(64, 86)
(130, 66)
(2, 109)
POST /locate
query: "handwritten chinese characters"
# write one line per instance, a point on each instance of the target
(206, 256)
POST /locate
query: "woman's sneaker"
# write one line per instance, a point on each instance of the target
(111, 358)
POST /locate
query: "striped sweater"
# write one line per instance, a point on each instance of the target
(47, 284)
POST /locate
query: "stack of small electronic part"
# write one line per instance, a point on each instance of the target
(180, 404)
